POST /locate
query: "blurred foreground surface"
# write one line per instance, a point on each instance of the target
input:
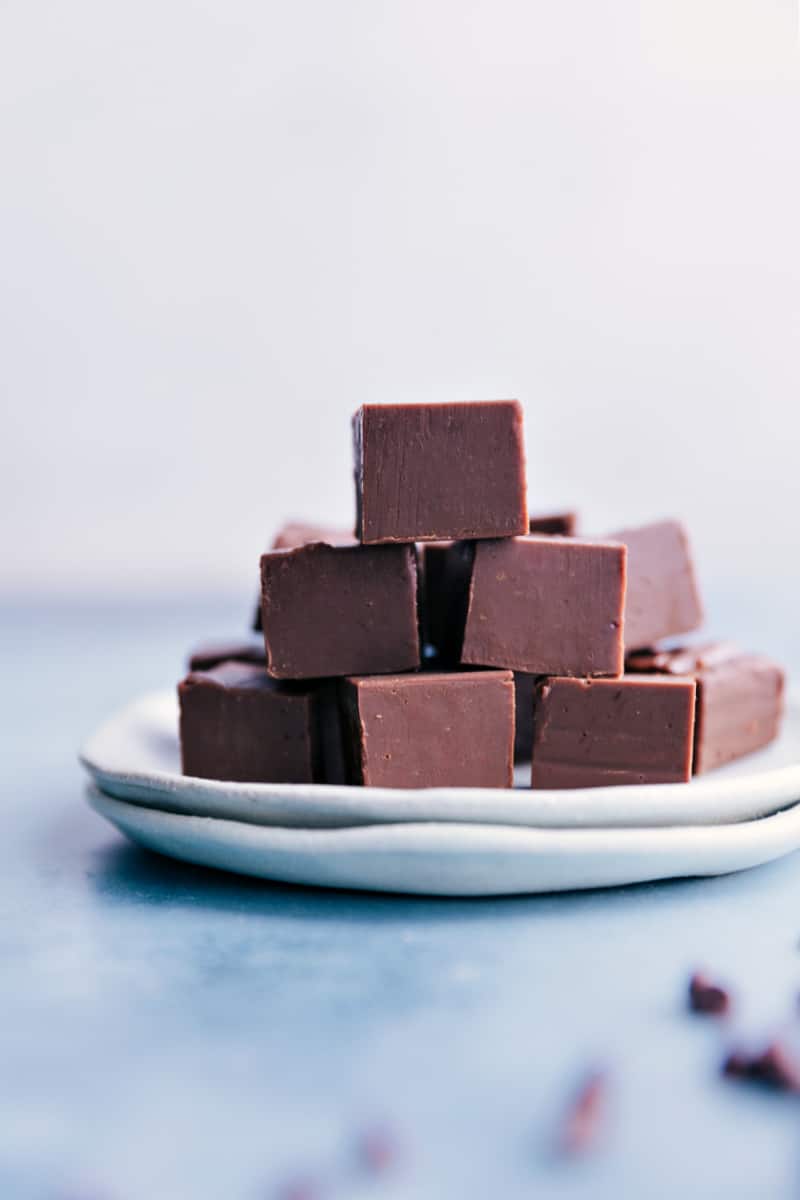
(173, 1033)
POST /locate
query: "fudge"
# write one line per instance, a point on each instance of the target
(340, 610)
(739, 697)
(432, 472)
(211, 654)
(563, 524)
(546, 606)
(430, 730)
(603, 732)
(301, 533)
(663, 599)
(446, 568)
(239, 725)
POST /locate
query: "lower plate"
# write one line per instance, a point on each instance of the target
(456, 859)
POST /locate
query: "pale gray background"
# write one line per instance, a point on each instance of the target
(223, 226)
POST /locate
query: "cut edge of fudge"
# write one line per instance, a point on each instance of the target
(360, 730)
(590, 754)
(543, 654)
(663, 596)
(386, 658)
(725, 729)
(369, 529)
(216, 708)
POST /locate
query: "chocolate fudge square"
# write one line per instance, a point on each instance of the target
(237, 724)
(437, 729)
(740, 697)
(301, 533)
(446, 568)
(547, 606)
(607, 732)
(663, 598)
(434, 472)
(340, 610)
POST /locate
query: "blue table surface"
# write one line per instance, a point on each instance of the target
(172, 1032)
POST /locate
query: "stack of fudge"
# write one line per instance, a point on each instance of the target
(454, 634)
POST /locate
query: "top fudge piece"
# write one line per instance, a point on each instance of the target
(430, 472)
(739, 697)
(663, 598)
(339, 610)
(547, 606)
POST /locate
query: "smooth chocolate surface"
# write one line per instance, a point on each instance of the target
(663, 599)
(606, 732)
(432, 472)
(211, 654)
(546, 606)
(340, 610)
(740, 697)
(302, 533)
(430, 730)
(237, 724)
(563, 524)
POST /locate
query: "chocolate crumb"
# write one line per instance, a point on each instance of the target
(775, 1068)
(584, 1118)
(707, 997)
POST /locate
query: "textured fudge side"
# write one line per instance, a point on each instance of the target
(237, 724)
(547, 606)
(740, 697)
(431, 472)
(301, 533)
(604, 732)
(340, 610)
(430, 730)
(663, 597)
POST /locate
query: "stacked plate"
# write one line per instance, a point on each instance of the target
(443, 841)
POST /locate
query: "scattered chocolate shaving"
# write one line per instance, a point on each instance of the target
(584, 1118)
(775, 1068)
(708, 997)
(377, 1150)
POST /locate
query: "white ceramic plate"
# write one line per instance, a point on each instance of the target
(135, 757)
(456, 860)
